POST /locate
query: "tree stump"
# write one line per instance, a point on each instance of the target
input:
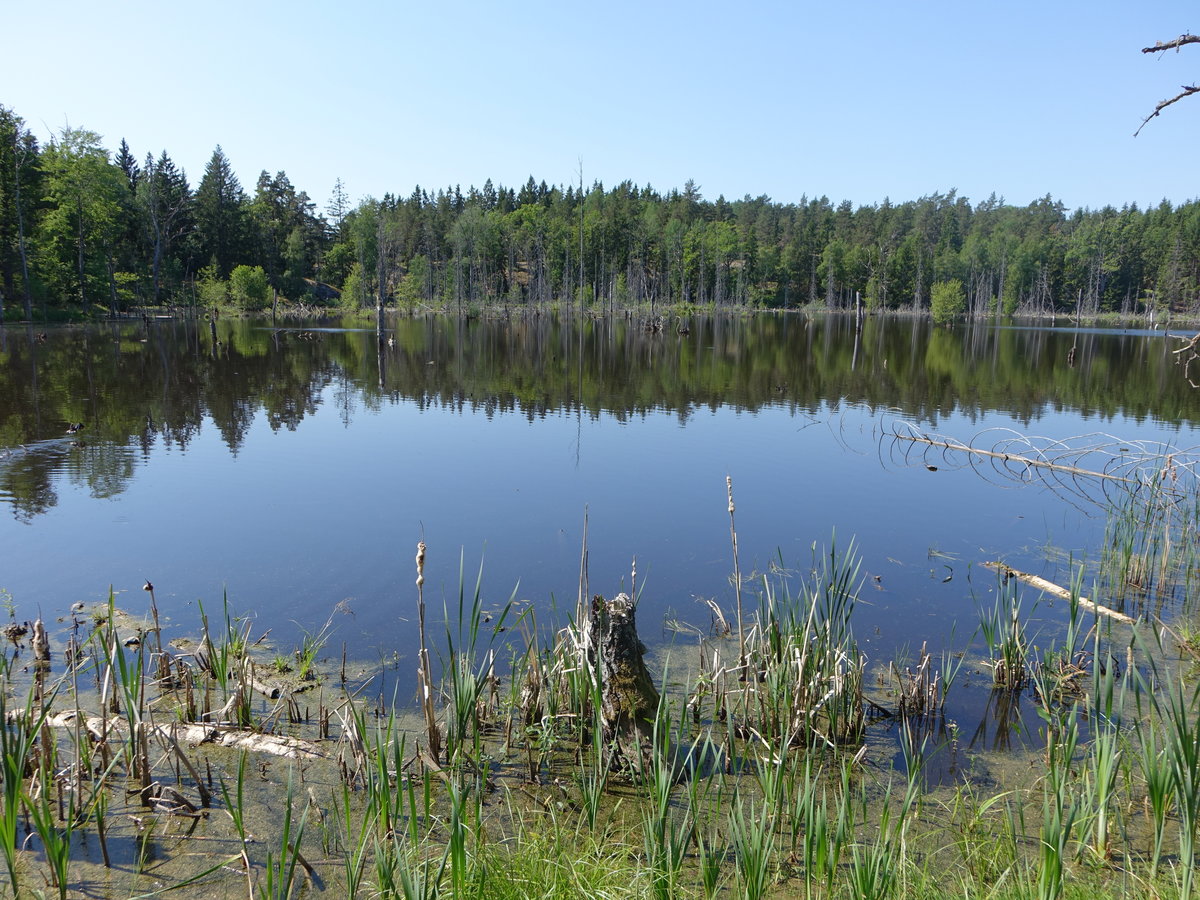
(629, 699)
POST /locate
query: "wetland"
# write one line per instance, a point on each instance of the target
(215, 522)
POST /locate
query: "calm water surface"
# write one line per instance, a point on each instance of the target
(296, 469)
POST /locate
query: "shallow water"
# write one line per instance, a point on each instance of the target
(296, 469)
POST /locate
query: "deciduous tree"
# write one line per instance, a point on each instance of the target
(19, 189)
(78, 231)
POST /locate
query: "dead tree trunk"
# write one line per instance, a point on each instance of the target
(630, 700)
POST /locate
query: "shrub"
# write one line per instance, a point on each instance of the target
(948, 301)
(248, 287)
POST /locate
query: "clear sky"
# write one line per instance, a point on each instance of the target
(852, 100)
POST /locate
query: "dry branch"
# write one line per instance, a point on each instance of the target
(1163, 46)
(1055, 590)
(1186, 90)
(1010, 457)
(1190, 348)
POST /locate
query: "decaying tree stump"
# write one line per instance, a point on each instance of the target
(629, 700)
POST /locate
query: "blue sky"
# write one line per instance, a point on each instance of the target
(856, 100)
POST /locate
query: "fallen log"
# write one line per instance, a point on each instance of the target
(1055, 590)
(230, 736)
(1028, 461)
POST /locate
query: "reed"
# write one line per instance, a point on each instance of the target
(279, 871)
(803, 673)
(456, 843)
(705, 786)
(737, 574)
(382, 771)
(227, 661)
(235, 805)
(710, 858)
(752, 833)
(19, 731)
(124, 679)
(593, 769)
(1001, 629)
(404, 864)
(1106, 750)
(311, 645)
(986, 837)
(469, 668)
(354, 840)
(666, 836)
(1154, 765)
(433, 734)
(53, 830)
(879, 865)
(1181, 720)
(809, 821)
(1060, 808)
(789, 790)
(404, 872)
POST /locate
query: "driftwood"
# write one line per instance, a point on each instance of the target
(1055, 590)
(101, 728)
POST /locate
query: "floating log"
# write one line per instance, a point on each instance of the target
(1055, 590)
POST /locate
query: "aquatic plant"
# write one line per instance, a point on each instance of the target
(1003, 633)
(19, 731)
(279, 871)
(752, 833)
(469, 669)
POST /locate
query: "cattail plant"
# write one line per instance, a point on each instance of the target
(424, 673)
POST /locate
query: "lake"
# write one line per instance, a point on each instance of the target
(295, 469)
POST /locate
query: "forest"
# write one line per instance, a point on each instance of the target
(87, 231)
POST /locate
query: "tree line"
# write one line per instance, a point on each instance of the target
(171, 380)
(84, 229)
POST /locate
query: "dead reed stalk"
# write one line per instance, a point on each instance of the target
(424, 674)
(737, 573)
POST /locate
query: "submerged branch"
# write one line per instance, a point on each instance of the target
(1095, 468)
(947, 444)
(1055, 590)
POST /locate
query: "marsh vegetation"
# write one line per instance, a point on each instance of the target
(863, 711)
(765, 760)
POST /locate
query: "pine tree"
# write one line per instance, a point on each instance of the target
(220, 212)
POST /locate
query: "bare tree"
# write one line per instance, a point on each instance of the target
(1186, 90)
(1189, 352)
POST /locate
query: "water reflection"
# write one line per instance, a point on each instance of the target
(163, 380)
(298, 466)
